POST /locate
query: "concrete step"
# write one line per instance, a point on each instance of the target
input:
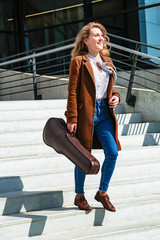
(20, 150)
(44, 114)
(148, 139)
(35, 163)
(143, 229)
(126, 118)
(29, 104)
(146, 153)
(41, 104)
(38, 125)
(22, 125)
(22, 201)
(44, 178)
(68, 218)
(36, 137)
(34, 177)
(139, 128)
(33, 114)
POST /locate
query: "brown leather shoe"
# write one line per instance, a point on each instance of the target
(82, 203)
(105, 202)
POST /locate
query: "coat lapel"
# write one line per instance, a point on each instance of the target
(88, 66)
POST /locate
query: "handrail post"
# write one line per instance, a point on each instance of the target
(33, 61)
(130, 99)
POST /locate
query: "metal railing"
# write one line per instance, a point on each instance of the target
(142, 70)
(41, 70)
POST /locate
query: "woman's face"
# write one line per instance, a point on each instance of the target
(95, 40)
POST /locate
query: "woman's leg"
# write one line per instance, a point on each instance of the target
(80, 200)
(79, 177)
(105, 133)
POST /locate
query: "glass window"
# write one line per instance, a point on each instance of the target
(149, 25)
(53, 22)
(7, 40)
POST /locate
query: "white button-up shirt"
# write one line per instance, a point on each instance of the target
(101, 78)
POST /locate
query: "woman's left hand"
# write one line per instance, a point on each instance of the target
(113, 102)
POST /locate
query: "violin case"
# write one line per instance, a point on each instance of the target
(57, 136)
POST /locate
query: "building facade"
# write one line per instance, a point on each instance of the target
(31, 24)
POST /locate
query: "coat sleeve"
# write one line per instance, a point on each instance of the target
(73, 88)
(114, 93)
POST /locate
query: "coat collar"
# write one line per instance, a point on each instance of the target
(87, 63)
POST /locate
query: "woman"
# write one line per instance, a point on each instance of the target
(90, 107)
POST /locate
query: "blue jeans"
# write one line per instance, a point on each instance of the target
(104, 128)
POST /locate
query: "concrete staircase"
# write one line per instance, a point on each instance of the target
(37, 187)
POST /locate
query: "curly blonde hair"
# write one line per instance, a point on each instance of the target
(81, 48)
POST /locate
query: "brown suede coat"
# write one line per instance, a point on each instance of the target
(81, 100)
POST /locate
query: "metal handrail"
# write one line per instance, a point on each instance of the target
(132, 41)
(35, 55)
(37, 49)
(145, 55)
(39, 66)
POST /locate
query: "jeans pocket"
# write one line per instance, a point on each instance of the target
(105, 103)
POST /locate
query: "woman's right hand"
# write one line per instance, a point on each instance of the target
(72, 127)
